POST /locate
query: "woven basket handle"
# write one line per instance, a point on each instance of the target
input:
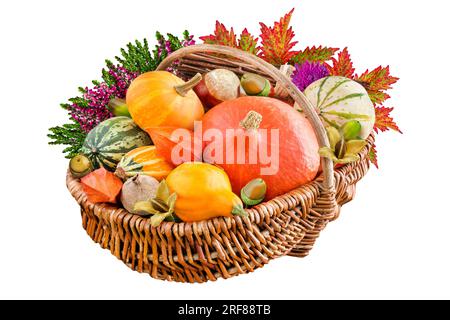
(280, 78)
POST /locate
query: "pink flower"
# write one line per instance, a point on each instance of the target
(98, 97)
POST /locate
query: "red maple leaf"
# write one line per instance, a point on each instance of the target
(373, 156)
(221, 36)
(247, 42)
(276, 41)
(314, 54)
(384, 121)
(343, 65)
(376, 82)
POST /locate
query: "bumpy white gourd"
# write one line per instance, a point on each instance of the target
(339, 99)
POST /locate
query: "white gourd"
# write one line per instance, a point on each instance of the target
(339, 99)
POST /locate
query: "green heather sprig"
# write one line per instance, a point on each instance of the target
(69, 134)
(90, 108)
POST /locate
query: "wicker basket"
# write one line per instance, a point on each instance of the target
(225, 247)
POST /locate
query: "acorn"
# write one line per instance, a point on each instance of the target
(254, 192)
(255, 85)
(216, 86)
(351, 130)
(118, 107)
(80, 166)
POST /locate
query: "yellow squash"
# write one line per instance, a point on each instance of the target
(203, 192)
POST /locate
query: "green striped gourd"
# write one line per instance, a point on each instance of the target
(339, 99)
(110, 140)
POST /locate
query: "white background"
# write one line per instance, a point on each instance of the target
(392, 241)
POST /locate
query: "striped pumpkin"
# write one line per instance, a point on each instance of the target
(110, 140)
(339, 99)
(146, 161)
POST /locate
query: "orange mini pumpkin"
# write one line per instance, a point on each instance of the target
(161, 99)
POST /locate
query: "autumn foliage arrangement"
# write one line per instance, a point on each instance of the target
(276, 45)
(276, 157)
(132, 77)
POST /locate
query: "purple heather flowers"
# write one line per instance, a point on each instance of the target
(307, 73)
(98, 98)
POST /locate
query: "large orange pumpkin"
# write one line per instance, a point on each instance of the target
(252, 117)
(161, 99)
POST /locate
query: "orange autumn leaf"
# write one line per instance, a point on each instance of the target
(314, 54)
(248, 42)
(343, 65)
(377, 82)
(384, 121)
(373, 156)
(101, 186)
(221, 36)
(277, 41)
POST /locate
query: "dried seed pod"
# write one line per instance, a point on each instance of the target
(340, 149)
(334, 136)
(160, 207)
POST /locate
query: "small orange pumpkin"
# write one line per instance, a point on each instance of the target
(143, 160)
(161, 99)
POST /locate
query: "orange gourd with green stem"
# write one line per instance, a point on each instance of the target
(203, 192)
(161, 99)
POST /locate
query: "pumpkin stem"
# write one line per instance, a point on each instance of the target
(120, 172)
(184, 88)
(251, 121)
